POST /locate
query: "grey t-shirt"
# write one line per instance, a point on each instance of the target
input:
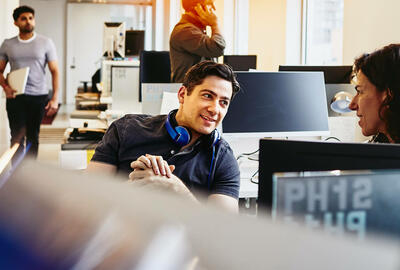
(34, 53)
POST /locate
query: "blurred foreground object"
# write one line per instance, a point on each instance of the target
(51, 218)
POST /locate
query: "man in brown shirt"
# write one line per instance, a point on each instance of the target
(189, 43)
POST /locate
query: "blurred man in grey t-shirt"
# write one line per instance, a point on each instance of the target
(28, 49)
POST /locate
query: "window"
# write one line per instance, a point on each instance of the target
(322, 32)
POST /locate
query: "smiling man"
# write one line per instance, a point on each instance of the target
(183, 148)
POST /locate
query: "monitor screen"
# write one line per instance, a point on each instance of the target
(332, 74)
(354, 202)
(134, 42)
(278, 104)
(337, 79)
(299, 156)
(241, 62)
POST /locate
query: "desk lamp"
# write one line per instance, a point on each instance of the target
(341, 101)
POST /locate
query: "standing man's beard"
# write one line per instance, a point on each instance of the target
(27, 29)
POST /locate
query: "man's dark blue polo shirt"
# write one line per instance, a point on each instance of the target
(134, 135)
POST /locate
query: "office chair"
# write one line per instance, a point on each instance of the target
(155, 67)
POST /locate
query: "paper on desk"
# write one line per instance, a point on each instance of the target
(17, 79)
(169, 102)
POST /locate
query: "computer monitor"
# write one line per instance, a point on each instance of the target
(241, 62)
(337, 80)
(332, 74)
(134, 42)
(359, 203)
(114, 39)
(278, 104)
(299, 156)
(155, 67)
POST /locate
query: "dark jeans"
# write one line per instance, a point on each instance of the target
(25, 113)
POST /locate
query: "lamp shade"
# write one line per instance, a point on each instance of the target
(341, 101)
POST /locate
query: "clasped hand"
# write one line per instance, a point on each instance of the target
(149, 165)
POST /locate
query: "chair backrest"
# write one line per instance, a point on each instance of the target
(155, 67)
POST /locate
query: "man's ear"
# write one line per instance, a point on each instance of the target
(181, 94)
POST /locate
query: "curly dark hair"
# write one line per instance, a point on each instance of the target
(22, 9)
(382, 68)
(197, 73)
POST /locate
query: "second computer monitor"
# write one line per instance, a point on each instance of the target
(337, 80)
(241, 62)
(134, 42)
(278, 104)
(300, 156)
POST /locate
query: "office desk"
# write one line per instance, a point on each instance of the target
(247, 170)
(248, 189)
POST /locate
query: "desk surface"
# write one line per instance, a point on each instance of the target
(248, 189)
(247, 169)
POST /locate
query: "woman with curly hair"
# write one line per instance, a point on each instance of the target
(378, 94)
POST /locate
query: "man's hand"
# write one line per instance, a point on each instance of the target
(206, 14)
(147, 178)
(10, 93)
(156, 163)
(51, 107)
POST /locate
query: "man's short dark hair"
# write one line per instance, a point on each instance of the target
(188, 5)
(22, 9)
(197, 73)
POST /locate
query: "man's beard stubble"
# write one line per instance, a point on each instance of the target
(27, 29)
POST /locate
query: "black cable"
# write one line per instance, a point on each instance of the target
(247, 154)
(332, 138)
(251, 178)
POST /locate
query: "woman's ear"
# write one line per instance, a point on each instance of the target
(388, 95)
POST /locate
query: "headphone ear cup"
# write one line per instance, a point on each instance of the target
(183, 136)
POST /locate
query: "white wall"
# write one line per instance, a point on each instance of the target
(369, 25)
(7, 27)
(267, 32)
